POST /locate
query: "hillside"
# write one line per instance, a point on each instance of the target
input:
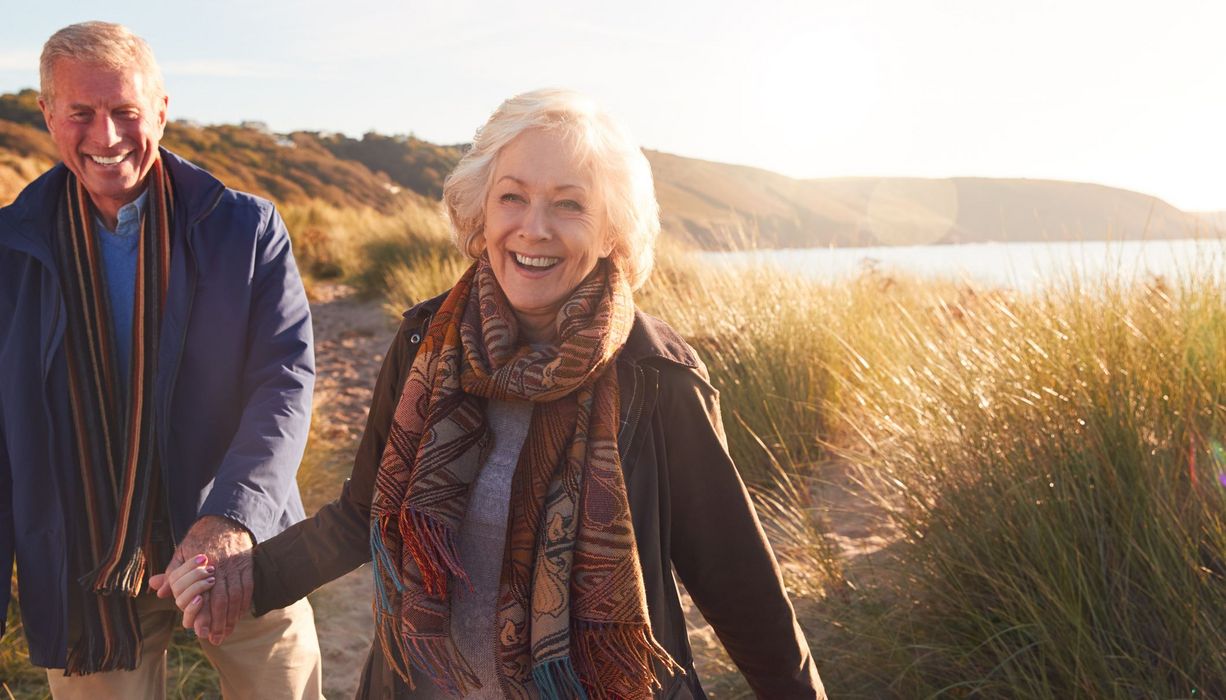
(712, 205)
(716, 202)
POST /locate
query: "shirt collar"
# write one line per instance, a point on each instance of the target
(129, 215)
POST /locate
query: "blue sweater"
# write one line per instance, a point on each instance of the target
(119, 248)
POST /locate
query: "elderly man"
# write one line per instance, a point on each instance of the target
(155, 344)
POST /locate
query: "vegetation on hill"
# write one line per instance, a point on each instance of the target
(410, 162)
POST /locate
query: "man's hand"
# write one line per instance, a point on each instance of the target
(221, 541)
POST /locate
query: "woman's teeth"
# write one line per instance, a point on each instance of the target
(541, 262)
(101, 160)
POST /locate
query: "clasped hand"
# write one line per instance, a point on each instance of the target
(210, 577)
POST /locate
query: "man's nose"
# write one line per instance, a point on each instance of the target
(104, 131)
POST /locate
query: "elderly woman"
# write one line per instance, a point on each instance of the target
(540, 457)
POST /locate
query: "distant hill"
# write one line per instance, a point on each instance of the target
(716, 203)
(712, 205)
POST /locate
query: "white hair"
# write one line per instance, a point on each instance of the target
(620, 172)
(101, 43)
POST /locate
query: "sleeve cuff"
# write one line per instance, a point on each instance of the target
(253, 511)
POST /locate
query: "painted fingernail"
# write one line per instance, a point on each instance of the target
(210, 579)
(209, 569)
(196, 600)
(200, 558)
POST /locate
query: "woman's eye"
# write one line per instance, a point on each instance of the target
(570, 205)
(510, 197)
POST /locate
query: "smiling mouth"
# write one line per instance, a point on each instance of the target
(539, 262)
(111, 160)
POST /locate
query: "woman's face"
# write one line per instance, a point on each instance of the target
(545, 227)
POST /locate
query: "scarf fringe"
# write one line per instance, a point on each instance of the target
(438, 658)
(84, 659)
(383, 567)
(629, 650)
(434, 549)
(126, 579)
(394, 652)
(557, 680)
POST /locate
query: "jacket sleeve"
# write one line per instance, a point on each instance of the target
(336, 539)
(720, 550)
(256, 476)
(7, 533)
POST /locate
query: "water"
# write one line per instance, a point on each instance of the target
(1016, 265)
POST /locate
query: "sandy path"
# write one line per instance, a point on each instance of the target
(350, 338)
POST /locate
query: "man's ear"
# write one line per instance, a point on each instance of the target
(46, 110)
(161, 104)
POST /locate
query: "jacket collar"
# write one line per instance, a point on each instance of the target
(26, 224)
(33, 212)
(195, 189)
(650, 338)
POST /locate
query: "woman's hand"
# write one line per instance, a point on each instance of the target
(187, 585)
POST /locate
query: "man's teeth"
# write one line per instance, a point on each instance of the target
(536, 262)
(100, 160)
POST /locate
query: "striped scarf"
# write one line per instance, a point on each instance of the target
(115, 449)
(572, 610)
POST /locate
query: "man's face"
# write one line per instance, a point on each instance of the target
(106, 124)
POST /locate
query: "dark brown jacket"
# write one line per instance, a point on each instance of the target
(689, 507)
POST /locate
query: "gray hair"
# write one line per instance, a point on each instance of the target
(619, 169)
(102, 43)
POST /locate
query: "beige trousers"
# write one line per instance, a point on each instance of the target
(275, 656)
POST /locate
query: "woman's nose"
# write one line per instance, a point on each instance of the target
(536, 224)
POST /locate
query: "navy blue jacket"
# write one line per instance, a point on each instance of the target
(232, 394)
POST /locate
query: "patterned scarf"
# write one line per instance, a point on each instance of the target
(572, 611)
(114, 438)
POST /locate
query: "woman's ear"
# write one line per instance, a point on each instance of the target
(476, 245)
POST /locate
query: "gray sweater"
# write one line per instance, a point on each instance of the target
(483, 536)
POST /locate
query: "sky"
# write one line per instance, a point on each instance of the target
(1127, 94)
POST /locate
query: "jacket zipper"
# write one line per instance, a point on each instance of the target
(164, 438)
(168, 397)
(626, 434)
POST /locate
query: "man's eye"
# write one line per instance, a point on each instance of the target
(129, 115)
